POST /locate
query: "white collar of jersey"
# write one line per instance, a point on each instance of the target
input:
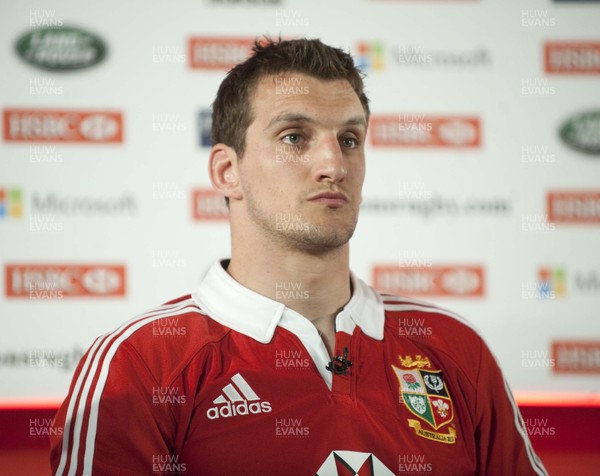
(252, 314)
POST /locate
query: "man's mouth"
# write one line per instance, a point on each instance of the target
(330, 199)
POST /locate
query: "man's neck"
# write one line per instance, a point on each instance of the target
(315, 286)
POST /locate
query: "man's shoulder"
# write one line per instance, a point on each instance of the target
(450, 341)
(180, 317)
(411, 317)
(170, 335)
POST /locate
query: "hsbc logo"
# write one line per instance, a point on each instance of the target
(208, 204)
(576, 357)
(347, 463)
(420, 130)
(441, 281)
(64, 280)
(50, 125)
(99, 127)
(572, 57)
(574, 207)
(458, 133)
(218, 53)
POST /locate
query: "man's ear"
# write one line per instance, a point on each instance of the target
(223, 171)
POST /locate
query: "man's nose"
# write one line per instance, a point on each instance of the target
(328, 161)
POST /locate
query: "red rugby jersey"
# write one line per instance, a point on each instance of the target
(228, 382)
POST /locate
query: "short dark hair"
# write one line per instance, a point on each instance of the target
(232, 114)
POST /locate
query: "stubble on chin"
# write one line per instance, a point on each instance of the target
(316, 240)
(302, 235)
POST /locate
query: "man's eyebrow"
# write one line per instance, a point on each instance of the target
(294, 117)
(356, 121)
(290, 117)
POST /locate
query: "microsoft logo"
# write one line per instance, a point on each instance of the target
(370, 56)
(552, 282)
(11, 203)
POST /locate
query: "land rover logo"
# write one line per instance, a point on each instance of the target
(61, 48)
(582, 132)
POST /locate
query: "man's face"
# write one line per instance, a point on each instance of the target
(303, 167)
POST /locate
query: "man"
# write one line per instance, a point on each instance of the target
(283, 362)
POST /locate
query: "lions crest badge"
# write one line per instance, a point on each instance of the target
(425, 395)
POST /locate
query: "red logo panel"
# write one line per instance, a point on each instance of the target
(574, 207)
(218, 53)
(208, 204)
(581, 357)
(419, 130)
(445, 281)
(572, 57)
(53, 125)
(39, 281)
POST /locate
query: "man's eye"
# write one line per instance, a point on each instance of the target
(292, 139)
(349, 142)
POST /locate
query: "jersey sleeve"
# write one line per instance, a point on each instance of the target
(110, 421)
(503, 444)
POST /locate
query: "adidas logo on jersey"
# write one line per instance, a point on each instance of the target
(232, 403)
